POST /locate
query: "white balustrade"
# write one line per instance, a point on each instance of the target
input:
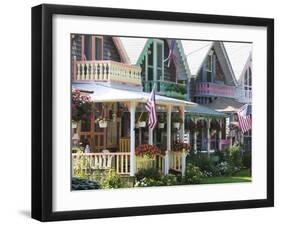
(106, 70)
(86, 162)
(176, 161)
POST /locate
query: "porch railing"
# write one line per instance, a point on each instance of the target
(176, 161)
(106, 70)
(87, 162)
(213, 89)
(167, 88)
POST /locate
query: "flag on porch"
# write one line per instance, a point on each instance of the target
(171, 52)
(244, 118)
(151, 109)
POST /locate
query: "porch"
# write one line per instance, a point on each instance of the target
(114, 146)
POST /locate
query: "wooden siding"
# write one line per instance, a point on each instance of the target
(110, 51)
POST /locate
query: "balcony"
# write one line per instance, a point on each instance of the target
(213, 89)
(107, 71)
(168, 89)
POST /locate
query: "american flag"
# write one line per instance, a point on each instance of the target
(151, 109)
(244, 118)
(171, 52)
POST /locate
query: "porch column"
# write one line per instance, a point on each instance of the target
(195, 137)
(150, 136)
(132, 138)
(208, 136)
(182, 126)
(183, 156)
(167, 153)
(220, 134)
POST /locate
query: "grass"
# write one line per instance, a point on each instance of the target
(241, 176)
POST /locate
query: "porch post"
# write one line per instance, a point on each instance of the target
(220, 134)
(208, 136)
(195, 137)
(150, 136)
(183, 156)
(132, 137)
(182, 127)
(167, 153)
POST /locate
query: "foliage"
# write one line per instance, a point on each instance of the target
(165, 180)
(84, 184)
(147, 149)
(174, 87)
(148, 182)
(161, 118)
(81, 106)
(205, 163)
(179, 146)
(247, 160)
(176, 118)
(169, 179)
(234, 156)
(226, 168)
(141, 116)
(193, 174)
(151, 173)
(111, 180)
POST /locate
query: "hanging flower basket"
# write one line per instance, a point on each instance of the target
(161, 125)
(141, 124)
(180, 146)
(102, 124)
(147, 150)
(176, 125)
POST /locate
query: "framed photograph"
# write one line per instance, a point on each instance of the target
(147, 112)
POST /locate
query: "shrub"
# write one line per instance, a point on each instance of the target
(247, 160)
(148, 182)
(226, 169)
(84, 184)
(151, 173)
(234, 156)
(193, 174)
(169, 179)
(220, 155)
(111, 180)
(206, 165)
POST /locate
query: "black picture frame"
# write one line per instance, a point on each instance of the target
(42, 111)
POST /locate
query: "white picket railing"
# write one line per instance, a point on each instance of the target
(107, 70)
(87, 162)
(176, 161)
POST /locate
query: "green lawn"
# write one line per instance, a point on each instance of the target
(242, 176)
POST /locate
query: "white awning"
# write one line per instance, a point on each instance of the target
(104, 93)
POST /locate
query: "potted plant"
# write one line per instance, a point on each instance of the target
(161, 122)
(145, 154)
(180, 146)
(177, 121)
(141, 121)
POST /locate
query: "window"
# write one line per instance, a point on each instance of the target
(98, 48)
(92, 47)
(154, 62)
